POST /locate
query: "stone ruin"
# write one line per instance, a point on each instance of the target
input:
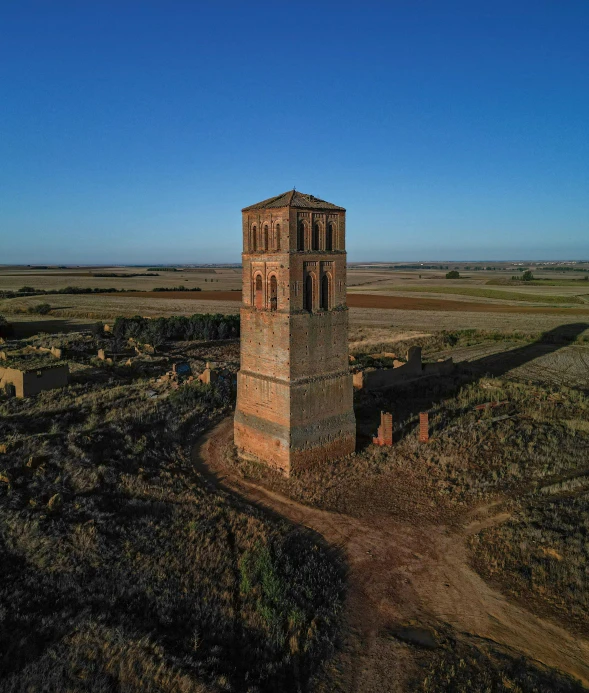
(385, 430)
(401, 372)
(423, 427)
(54, 351)
(22, 380)
(26, 371)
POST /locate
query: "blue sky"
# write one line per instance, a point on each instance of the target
(135, 131)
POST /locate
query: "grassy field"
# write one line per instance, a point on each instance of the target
(122, 564)
(540, 556)
(121, 569)
(488, 293)
(530, 453)
(578, 283)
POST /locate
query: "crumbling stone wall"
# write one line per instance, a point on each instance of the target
(30, 382)
(413, 368)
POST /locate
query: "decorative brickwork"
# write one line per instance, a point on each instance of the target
(294, 396)
(385, 430)
(423, 427)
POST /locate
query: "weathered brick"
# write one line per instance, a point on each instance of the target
(294, 399)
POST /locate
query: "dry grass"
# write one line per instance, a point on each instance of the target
(121, 569)
(477, 667)
(541, 555)
(531, 297)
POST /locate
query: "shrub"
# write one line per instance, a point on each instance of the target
(527, 276)
(453, 274)
(198, 326)
(40, 309)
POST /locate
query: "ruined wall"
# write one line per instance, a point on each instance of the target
(29, 383)
(45, 379)
(14, 377)
(380, 378)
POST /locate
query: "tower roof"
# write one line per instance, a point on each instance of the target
(293, 198)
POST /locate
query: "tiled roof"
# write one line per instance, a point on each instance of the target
(293, 198)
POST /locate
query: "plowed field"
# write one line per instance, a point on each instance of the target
(375, 301)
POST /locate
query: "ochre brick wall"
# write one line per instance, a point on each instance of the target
(294, 402)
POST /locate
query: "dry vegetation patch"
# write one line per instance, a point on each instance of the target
(121, 569)
(541, 555)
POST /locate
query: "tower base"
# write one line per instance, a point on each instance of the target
(317, 424)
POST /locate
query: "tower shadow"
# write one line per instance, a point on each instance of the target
(406, 400)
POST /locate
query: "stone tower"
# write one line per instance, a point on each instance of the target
(294, 389)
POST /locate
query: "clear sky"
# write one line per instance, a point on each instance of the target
(135, 130)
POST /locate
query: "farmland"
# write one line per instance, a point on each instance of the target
(140, 552)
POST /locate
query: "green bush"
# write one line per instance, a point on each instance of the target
(177, 327)
(40, 309)
(453, 274)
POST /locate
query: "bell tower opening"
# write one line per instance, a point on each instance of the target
(325, 291)
(308, 298)
(316, 233)
(259, 293)
(329, 237)
(273, 293)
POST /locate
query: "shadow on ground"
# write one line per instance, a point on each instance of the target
(407, 400)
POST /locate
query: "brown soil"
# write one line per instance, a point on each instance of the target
(405, 573)
(372, 301)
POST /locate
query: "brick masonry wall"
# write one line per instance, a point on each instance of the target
(294, 402)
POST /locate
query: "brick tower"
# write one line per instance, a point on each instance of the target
(294, 389)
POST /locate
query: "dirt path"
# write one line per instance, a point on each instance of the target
(400, 573)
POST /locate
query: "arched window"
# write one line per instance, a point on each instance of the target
(273, 293)
(329, 237)
(277, 237)
(308, 294)
(259, 293)
(325, 292)
(301, 236)
(254, 238)
(266, 246)
(316, 231)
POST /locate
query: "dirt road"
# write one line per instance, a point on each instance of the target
(406, 572)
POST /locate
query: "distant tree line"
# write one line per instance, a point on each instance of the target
(31, 291)
(25, 291)
(162, 269)
(156, 331)
(419, 267)
(122, 276)
(553, 268)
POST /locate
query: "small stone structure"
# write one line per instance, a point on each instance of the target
(412, 369)
(385, 430)
(180, 372)
(209, 375)
(54, 351)
(25, 381)
(423, 427)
